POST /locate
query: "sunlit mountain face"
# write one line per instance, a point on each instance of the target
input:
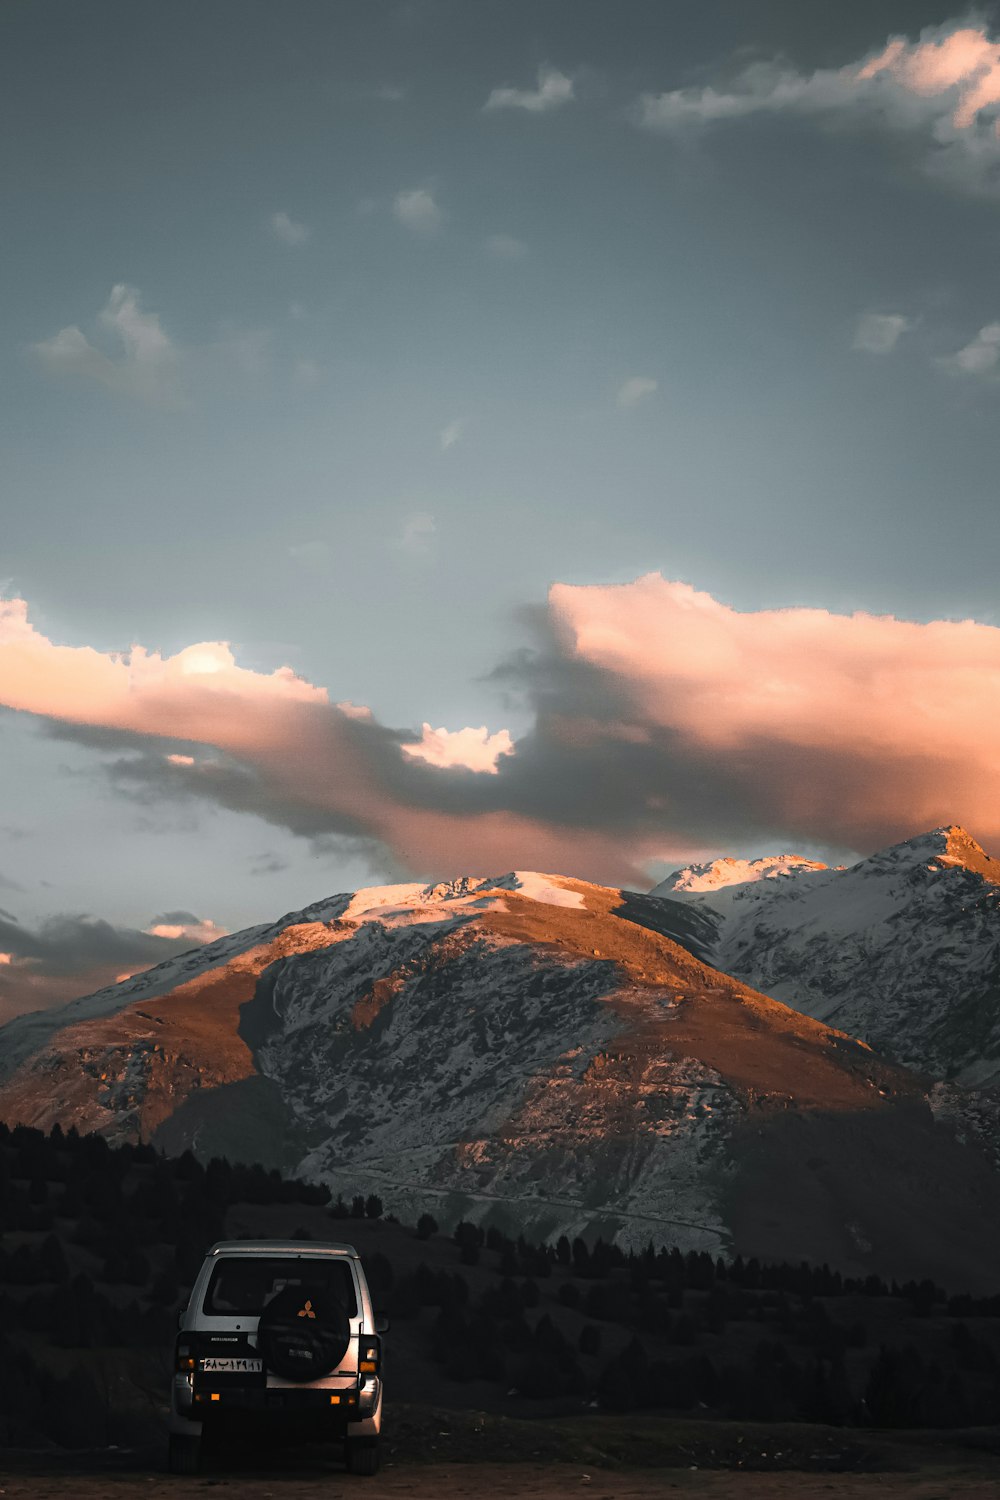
(529, 1050)
(901, 949)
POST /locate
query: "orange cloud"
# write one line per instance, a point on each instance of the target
(296, 758)
(196, 930)
(942, 89)
(666, 725)
(966, 61)
(872, 726)
(196, 695)
(466, 749)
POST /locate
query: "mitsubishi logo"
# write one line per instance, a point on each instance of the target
(306, 1312)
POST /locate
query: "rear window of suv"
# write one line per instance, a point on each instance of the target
(246, 1283)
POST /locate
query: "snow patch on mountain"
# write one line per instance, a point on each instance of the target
(450, 900)
(720, 874)
(404, 904)
(901, 949)
(503, 1128)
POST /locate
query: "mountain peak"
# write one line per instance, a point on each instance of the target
(717, 874)
(949, 846)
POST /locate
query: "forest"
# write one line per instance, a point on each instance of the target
(99, 1246)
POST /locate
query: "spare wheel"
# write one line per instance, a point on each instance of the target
(303, 1334)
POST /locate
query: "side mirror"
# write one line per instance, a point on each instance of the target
(180, 1316)
(381, 1323)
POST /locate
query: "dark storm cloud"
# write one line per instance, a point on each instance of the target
(73, 954)
(65, 944)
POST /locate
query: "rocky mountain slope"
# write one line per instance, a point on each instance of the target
(531, 1050)
(901, 950)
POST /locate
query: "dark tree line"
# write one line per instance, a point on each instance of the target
(572, 1320)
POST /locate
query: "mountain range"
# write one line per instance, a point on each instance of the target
(901, 949)
(562, 1057)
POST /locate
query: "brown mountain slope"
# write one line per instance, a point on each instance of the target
(529, 1050)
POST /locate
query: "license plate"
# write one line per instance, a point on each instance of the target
(232, 1366)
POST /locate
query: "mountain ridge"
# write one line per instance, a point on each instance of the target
(531, 1050)
(901, 949)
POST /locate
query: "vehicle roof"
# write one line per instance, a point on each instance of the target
(282, 1247)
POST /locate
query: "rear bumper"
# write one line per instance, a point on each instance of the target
(354, 1411)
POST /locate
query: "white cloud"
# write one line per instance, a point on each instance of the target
(943, 88)
(554, 89)
(636, 389)
(287, 229)
(505, 247)
(980, 356)
(450, 435)
(417, 209)
(417, 532)
(144, 365)
(879, 333)
(461, 749)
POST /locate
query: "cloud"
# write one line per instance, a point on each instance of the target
(879, 333)
(197, 931)
(450, 435)
(979, 357)
(635, 389)
(281, 750)
(144, 364)
(662, 723)
(288, 230)
(461, 749)
(71, 955)
(417, 532)
(505, 247)
(943, 89)
(268, 863)
(417, 210)
(554, 89)
(136, 690)
(855, 729)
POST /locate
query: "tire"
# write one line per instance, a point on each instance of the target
(183, 1454)
(303, 1334)
(362, 1456)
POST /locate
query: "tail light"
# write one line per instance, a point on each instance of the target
(369, 1354)
(184, 1358)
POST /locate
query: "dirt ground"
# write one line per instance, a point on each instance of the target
(431, 1454)
(474, 1481)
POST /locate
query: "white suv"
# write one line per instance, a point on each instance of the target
(279, 1332)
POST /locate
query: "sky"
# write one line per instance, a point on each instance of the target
(445, 438)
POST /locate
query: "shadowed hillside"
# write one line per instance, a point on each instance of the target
(531, 1053)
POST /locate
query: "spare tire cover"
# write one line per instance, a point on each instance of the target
(303, 1333)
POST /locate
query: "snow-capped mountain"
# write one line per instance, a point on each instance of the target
(722, 874)
(528, 1049)
(901, 949)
